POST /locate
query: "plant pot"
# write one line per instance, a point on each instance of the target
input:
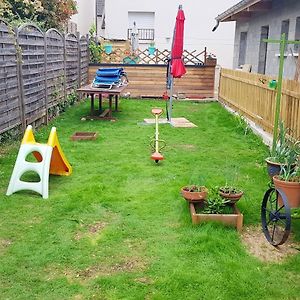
(108, 49)
(274, 168)
(291, 190)
(233, 198)
(151, 50)
(194, 196)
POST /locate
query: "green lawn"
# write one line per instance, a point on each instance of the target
(117, 228)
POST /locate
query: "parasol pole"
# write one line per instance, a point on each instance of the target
(171, 76)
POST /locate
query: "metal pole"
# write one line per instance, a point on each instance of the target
(279, 89)
(171, 99)
(156, 133)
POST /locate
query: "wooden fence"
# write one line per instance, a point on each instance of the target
(37, 71)
(150, 80)
(250, 95)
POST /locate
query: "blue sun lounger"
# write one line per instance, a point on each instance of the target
(109, 78)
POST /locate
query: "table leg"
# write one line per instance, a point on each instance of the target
(100, 103)
(116, 102)
(92, 105)
(110, 106)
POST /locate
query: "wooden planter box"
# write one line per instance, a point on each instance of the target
(235, 219)
(77, 136)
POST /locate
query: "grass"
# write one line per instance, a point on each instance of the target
(117, 228)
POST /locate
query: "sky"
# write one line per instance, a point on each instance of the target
(221, 41)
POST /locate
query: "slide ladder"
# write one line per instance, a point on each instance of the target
(50, 160)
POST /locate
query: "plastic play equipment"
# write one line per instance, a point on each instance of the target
(50, 160)
(156, 155)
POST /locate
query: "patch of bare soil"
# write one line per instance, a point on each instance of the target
(4, 243)
(190, 147)
(93, 229)
(130, 265)
(144, 280)
(256, 243)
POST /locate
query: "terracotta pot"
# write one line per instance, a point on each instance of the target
(274, 168)
(232, 197)
(291, 190)
(194, 196)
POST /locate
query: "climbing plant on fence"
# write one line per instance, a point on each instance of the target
(37, 72)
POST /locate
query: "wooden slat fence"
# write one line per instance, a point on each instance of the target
(250, 95)
(150, 80)
(37, 71)
(9, 98)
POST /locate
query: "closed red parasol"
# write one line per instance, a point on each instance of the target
(177, 65)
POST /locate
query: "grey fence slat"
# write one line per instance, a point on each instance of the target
(39, 75)
(9, 107)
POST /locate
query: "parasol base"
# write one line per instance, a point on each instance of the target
(157, 157)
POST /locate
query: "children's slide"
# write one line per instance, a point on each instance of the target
(50, 160)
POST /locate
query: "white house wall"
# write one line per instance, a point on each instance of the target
(86, 16)
(200, 19)
(282, 10)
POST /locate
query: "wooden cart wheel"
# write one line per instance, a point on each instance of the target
(275, 217)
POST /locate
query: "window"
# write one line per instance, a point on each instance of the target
(297, 34)
(262, 56)
(242, 50)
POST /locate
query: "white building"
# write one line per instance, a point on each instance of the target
(156, 19)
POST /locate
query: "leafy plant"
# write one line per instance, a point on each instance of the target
(95, 48)
(287, 149)
(241, 125)
(194, 188)
(215, 204)
(230, 190)
(48, 13)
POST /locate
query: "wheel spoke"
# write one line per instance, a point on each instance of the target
(274, 226)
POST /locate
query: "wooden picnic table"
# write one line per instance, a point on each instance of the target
(100, 113)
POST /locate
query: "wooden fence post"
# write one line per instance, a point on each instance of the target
(79, 59)
(46, 83)
(20, 81)
(65, 66)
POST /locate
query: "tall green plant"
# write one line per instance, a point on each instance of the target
(95, 48)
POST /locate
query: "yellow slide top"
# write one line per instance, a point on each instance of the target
(59, 164)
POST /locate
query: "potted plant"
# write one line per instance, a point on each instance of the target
(151, 48)
(193, 193)
(230, 193)
(217, 209)
(288, 181)
(108, 48)
(286, 152)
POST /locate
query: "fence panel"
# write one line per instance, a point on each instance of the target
(55, 67)
(10, 115)
(72, 69)
(32, 43)
(251, 96)
(84, 60)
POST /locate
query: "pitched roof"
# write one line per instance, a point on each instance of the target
(244, 9)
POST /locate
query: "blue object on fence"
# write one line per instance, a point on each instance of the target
(110, 77)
